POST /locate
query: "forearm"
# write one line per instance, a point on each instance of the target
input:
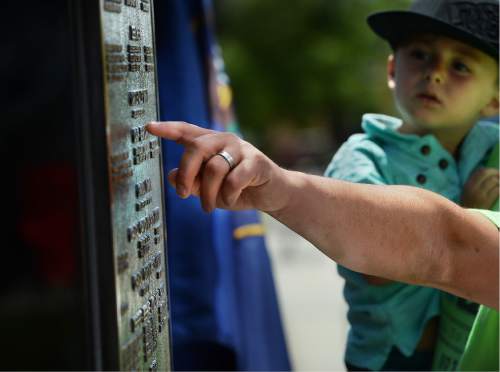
(396, 232)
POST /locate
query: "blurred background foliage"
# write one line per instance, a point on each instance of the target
(303, 72)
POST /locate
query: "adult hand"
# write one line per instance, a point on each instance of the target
(400, 233)
(250, 180)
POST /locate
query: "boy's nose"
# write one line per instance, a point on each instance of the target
(434, 77)
(435, 72)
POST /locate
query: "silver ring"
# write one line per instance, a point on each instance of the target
(228, 158)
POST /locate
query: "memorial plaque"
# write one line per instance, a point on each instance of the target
(85, 283)
(135, 178)
(117, 96)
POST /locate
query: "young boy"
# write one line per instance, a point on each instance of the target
(444, 76)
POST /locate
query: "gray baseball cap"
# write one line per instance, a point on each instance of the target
(474, 22)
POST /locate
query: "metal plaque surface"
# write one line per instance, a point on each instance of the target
(135, 178)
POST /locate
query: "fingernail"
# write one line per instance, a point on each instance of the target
(206, 208)
(182, 191)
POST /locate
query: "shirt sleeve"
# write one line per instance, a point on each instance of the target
(359, 160)
(493, 216)
(481, 350)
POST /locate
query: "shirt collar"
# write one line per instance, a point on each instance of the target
(480, 139)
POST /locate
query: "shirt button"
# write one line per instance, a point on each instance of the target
(425, 150)
(443, 164)
(421, 179)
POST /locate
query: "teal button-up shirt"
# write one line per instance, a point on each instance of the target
(396, 314)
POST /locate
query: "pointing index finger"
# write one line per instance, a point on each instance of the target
(178, 131)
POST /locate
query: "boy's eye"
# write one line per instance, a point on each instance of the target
(419, 54)
(461, 67)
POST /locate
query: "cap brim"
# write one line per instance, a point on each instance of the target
(395, 26)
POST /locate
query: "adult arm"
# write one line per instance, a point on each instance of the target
(396, 232)
(361, 160)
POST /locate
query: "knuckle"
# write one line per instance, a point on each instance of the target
(181, 179)
(212, 169)
(231, 140)
(231, 184)
(260, 158)
(230, 136)
(229, 189)
(189, 142)
(225, 196)
(200, 145)
(179, 124)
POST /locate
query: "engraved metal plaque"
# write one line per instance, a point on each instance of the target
(135, 179)
(85, 285)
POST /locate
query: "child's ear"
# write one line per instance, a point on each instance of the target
(491, 109)
(391, 72)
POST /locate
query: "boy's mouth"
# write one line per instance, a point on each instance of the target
(430, 98)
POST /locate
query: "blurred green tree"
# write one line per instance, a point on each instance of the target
(304, 63)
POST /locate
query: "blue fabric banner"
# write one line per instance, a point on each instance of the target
(224, 311)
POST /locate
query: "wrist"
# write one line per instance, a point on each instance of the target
(288, 189)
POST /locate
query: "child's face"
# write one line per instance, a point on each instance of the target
(440, 83)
